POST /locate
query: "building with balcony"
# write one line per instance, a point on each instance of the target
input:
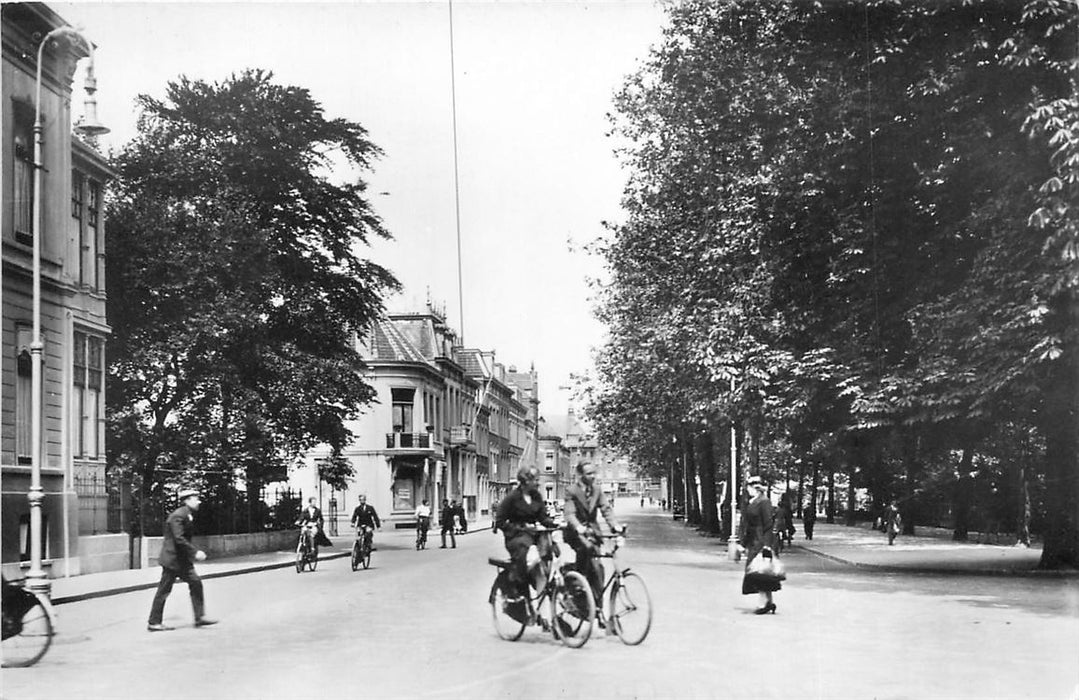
(416, 440)
(79, 510)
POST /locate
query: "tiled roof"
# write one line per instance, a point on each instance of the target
(389, 343)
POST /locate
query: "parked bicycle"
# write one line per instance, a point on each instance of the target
(422, 525)
(629, 607)
(306, 548)
(566, 596)
(361, 548)
(27, 625)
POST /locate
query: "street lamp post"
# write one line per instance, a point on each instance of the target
(732, 541)
(36, 579)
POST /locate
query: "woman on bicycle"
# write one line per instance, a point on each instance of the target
(519, 515)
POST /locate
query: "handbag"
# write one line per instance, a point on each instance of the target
(767, 565)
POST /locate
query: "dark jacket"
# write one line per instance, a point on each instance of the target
(177, 550)
(757, 526)
(366, 515)
(307, 516)
(514, 512)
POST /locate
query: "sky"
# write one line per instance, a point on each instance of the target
(537, 175)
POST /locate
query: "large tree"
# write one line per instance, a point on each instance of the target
(833, 202)
(236, 283)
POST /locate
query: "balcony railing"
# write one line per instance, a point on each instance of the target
(461, 435)
(408, 441)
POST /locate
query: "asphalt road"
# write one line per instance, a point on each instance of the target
(417, 625)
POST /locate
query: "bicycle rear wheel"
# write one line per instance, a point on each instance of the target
(26, 639)
(506, 626)
(631, 609)
(573, 610)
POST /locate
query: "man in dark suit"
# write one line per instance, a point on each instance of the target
(177, 559)
(446, 516)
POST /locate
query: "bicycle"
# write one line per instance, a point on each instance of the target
(306, 549)
(27, 626)
(422, 524)
(629, 611)
(566, 592)
(361, 548)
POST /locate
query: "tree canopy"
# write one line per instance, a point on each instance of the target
(236, 283)
(862, 213)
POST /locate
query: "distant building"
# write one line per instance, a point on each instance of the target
(617, 475)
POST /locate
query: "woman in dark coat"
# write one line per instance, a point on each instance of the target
(756, 535)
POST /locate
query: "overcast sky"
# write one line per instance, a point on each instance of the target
(537, 172)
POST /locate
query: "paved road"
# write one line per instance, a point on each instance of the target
(417, 625)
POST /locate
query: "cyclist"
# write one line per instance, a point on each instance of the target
(518, 516)
(423, 518)
(311, 521)
(365, 517)
(585, 502)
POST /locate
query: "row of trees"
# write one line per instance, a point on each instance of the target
(851, 232)
(235, 287)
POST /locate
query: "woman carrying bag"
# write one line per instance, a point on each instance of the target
(763, 570)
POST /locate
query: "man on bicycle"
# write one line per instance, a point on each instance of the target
(585, 502)
(423, 518)
(365, 520)
(518, 516)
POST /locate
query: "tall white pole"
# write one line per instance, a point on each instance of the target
(732, 541)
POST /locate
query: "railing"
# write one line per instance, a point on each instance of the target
(408, 441)
(461, 435)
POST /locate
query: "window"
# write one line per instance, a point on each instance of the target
(548, 461)
(87, 401)
(402, 410)
(23, 394)
(85, 213)
(22, 196)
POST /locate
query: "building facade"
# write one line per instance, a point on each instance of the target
(77, 517)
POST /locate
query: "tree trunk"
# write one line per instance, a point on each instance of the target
(706, 464)
(801, 481)
(831, 496)
(693, 507)
(816, 485)
(1060, 418)
(851, 506)
(961, 504)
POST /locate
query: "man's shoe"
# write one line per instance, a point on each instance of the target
(442, 547)
(205, 622)
(157, 627)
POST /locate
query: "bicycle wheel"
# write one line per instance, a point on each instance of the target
(631, 609)
(355, 555)
(299, 559)
(505, 625)
(312, 560)
(366, 560)
(573, 610)
(30, 637)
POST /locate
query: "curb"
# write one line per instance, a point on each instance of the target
(119, 590)
(936, 571)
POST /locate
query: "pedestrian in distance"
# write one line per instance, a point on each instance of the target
(809, 519)
(893, 522)
(459, 513)
(177, 558)
(757, 539)
(782, 526)
(446, 518)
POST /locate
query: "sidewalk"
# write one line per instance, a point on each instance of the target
(87, 586)
(866, 548)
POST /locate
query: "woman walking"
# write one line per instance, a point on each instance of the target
(756, 535)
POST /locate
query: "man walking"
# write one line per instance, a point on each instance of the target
(177, 559)
(446, 516)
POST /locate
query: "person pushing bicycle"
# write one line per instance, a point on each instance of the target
(519, 516)
(585, 502)
(365, 520)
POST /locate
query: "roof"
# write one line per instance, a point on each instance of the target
(388, 343)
